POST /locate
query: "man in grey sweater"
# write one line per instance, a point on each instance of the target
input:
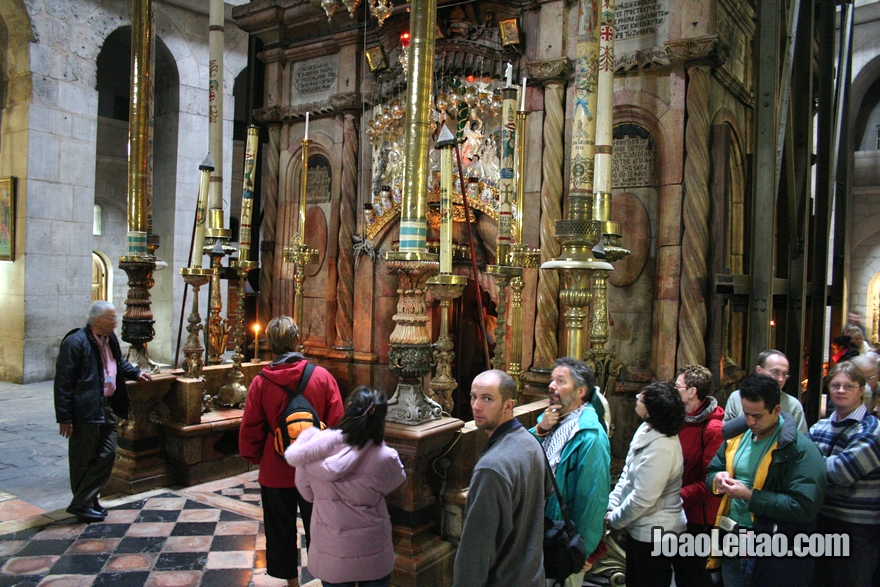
(503, 535)
(773, 364)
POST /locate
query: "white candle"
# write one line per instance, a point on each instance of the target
(522, 105)
(307, 126)
(508, 75)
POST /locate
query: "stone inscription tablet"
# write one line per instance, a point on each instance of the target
(320, 179)
(314, 80)
(639, 18)
(633, 161)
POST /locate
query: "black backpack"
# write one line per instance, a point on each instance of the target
(298, 415)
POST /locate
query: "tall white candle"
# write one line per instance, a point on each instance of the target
(205, 168)
(445, 143)
(508, 75)
(307, 126)
(522, 104)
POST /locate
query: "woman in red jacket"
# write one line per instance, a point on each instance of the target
(700, 438)
(266, 400)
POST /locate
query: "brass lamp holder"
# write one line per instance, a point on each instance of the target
(445, 287)
(524, 257)
(300, 255)
(193, 351)
(234, 393)
(217, 334)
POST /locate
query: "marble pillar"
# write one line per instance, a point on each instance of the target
(553, 75)
(347, 227)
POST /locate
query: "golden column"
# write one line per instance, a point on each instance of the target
(416, 429)
(138, 263)
(410, 341)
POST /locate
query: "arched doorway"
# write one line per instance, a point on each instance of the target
(100, 278)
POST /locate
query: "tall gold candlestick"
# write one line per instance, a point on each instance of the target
(520, 170)
(299, 252)
(193, 351)
(218, 328)
(303, 189)
(234, 392)
(198, 251)
(247, 192)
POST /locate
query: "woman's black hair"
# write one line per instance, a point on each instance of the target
(364, 418)
(665, 408)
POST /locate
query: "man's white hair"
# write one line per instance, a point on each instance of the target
(98, 309)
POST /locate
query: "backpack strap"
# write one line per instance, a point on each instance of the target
(303, 381)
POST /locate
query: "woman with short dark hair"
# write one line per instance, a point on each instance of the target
(648, 493)
(346, 472)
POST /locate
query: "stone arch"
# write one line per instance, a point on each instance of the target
(113, 64)
(664, 213)
(16, 36)
(863, 239)
(735, 255)
(101, 262)
(287, 215)
(872, 307)
(866, 72)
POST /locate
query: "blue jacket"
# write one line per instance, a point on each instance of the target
(79, 380)
(584, 478)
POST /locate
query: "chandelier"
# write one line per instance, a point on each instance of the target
(380, 9)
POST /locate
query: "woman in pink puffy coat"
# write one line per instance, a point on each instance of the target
(346, 472)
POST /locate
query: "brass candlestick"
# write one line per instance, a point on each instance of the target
(300, 255)
(299, 252)
(502, 275)
(524, 257)
(217, 335)
(445, 287)
(193, 351)
(234, 392)
(578, 233)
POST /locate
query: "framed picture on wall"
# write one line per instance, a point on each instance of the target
(376, 58)
(509, 30)
(7, 219)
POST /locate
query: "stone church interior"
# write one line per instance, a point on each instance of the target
(433, 189)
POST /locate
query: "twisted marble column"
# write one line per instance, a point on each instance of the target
(270, 212)
(553, 74)
(695, 216)
(347, 226)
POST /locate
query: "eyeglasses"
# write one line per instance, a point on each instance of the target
(777, 373)
(847, 386)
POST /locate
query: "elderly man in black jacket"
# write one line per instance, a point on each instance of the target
(89, 388)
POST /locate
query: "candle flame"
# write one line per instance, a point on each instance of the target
(256, 327)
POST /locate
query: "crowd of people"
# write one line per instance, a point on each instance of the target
(692, 467)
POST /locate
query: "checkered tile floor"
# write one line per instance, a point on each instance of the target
(192, 537)
(248, 492)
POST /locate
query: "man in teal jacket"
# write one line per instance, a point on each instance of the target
(572, 432)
